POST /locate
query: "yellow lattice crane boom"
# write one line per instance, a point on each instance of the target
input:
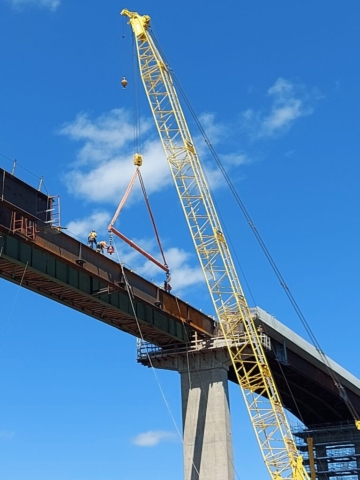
(248, 358)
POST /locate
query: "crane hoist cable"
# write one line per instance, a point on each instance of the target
(342, 392)
(136, 107)
(123, 58)
(11, 310)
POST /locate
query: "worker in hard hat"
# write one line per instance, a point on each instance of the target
(101, 246)
(167, 286)
(92, 239)
(124, 82)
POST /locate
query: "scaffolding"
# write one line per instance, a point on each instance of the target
(331, 451)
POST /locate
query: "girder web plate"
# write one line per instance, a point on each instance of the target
(23, 263)
(89, 306)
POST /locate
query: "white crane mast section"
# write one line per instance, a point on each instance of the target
(248, 358)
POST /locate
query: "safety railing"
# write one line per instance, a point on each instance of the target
(145, 349)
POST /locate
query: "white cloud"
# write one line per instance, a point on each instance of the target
(6, 435)
(229, 161)
(50, 4)
(135, 260)
(184, 274)
(235, 159)
(216, 132)
(153, 438)
(104, 136)
(80, 228)
(104, 163)
(290, 101)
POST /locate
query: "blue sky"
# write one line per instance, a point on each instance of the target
(276, 86)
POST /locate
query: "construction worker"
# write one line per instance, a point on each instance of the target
(101, 245)
(167, 286)
(92, 239)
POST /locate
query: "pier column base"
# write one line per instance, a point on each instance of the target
(208, 452)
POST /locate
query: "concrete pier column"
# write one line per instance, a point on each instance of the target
(208, 453)
(208, 450)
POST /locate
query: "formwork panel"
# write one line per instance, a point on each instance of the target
(61, 272)
(180, 331)
(140, 310)
(50, 266)
(159, 321)
(11, 248)
(25, 253)
(126, 305)
(84, 283)
(73, 277)
(114, 300)
(149, 314)
(94, 285)
(38, 258)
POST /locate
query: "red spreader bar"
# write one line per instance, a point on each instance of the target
(139, 249)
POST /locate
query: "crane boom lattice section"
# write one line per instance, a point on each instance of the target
(248, 359)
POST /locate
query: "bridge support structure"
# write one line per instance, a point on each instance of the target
(335, 449)
(208, 452)
(207, 438)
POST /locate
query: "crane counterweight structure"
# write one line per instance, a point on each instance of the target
(248, 358)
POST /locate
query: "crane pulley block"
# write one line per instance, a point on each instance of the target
(138, 159)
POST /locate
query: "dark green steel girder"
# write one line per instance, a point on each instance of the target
(24, 263)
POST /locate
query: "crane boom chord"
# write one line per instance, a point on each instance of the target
(252, 370)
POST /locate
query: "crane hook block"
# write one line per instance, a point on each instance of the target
(124, 82)
(137, 159)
